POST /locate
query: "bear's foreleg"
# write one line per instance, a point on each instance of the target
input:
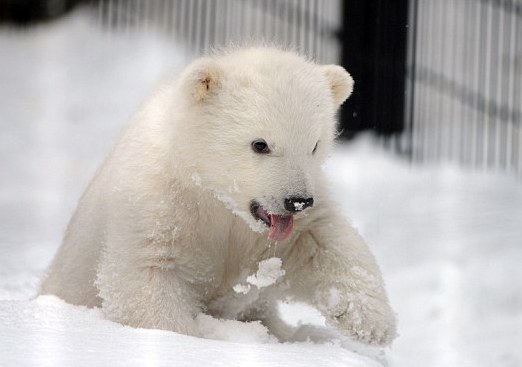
(331, 267)
(149, 297)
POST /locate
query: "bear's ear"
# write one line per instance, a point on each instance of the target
(202, 78)
(341, 82)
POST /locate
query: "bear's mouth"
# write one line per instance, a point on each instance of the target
(280, 225)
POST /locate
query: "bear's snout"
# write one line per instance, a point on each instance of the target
(298, 204)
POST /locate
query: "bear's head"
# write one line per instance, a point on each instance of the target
(258, 124)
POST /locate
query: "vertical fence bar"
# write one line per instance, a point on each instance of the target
(440, 31)
(418, 100)
(501, 92)
(508, 82)
(516, 102)
(512, 106)
(494, 69)
(481, 84)
(487, 86)
(427, 144)
(410, 75)
(466, 67)
(455, 108)
(420, 118)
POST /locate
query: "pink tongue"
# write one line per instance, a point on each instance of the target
(280, 227)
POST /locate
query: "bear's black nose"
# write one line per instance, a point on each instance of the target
(296, 204)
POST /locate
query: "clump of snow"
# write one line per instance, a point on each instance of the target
(233, 331)
(268, 273)
(297, 313)
(241, 288)
(298, 206)
(255, 225)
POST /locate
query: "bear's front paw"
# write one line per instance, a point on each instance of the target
(367, 320)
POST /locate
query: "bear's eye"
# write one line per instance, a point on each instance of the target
(260, 146)
(315, 148)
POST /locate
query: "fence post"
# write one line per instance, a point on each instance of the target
(373, 49)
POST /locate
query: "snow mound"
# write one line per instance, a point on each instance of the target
(49, 332)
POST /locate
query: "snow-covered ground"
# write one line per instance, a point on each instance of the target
(449, 241)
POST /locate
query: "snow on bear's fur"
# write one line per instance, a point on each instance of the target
(218, 172)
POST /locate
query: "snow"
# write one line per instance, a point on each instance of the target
(49, 332)
(298, 206)
(241, 288)
(449, 241)
(234, 331)
(269, 272)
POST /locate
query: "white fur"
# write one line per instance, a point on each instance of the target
(164, 230)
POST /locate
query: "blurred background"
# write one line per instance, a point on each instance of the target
(437, 79)
(429, 163)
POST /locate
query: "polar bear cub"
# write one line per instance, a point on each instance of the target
(220, 171)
